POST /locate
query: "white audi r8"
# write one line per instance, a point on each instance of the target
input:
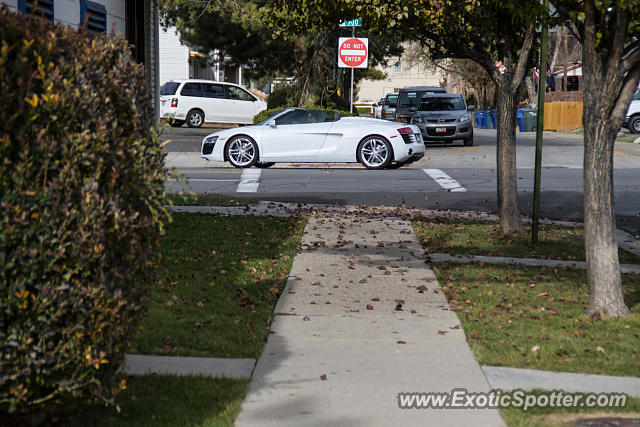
(311, 136)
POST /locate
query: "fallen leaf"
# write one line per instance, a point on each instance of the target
(369, 307)
(402, 342)
(442, 332)
(535, 349)
(454, 327)
(306, 319)
(600, 349)
(323, 377)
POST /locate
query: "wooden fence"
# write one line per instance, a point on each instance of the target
(562, 115)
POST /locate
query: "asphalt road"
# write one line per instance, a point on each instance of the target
(449, 177)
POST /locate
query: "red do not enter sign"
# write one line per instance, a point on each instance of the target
(353, 52)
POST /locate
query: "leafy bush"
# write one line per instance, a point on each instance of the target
(81, 185)
(285, 94)
(264, 115)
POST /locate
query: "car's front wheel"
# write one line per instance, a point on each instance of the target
(195, 119)
(375, 152)
(242, 152)
(634, 125)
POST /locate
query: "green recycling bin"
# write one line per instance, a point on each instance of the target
(530, 117)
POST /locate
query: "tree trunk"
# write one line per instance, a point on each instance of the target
(603, 268)
(601, 247)
(532, 91)
(506, 155)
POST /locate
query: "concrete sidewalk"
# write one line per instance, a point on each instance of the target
(361, 319)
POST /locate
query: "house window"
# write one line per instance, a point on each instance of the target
(42, 8)
(397, 67)
(93, 16)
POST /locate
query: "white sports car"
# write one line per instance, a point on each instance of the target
(311, 136)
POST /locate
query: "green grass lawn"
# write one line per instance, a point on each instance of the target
(630, 138)
(542, 417)
(170, 401)
(208, 199)
(532, 317)
(565, 243)
(218, 283)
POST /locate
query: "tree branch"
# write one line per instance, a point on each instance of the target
(629, 86)
(521, 67)
(616, 46)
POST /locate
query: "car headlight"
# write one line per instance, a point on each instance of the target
(417, 119)
(211, 139)
(465, 118)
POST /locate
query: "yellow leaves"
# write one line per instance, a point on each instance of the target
(600, 349)
(33, 101)
(22, 294)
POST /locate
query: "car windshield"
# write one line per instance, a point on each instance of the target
(442, 104)
(169, 88)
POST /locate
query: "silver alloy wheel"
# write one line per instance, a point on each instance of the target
(374, 153)
(636, 126)
(241, 151)
(195, 119)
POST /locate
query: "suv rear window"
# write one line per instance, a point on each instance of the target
(410, 99)
(169, 88)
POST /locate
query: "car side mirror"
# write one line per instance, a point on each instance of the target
(412, 109)
(471, 108)
(271, 123)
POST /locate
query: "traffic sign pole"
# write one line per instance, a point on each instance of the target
(353, 35)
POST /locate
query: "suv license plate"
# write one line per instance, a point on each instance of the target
(441, 130)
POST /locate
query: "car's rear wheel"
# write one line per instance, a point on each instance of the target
(634, 124)
(375, 152)
(264, 165)
(195, 118)
(176, 123)
(242, 151)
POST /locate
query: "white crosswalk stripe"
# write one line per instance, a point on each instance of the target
(249, 181)
(445, 181)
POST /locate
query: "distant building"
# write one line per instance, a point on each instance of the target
(400, 74)
(179, 62)
(136, 20)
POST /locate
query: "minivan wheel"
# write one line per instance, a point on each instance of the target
(375, 152)
(242, 151)
(634, 125)
(195, 119)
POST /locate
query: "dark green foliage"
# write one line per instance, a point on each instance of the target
(81, 186)
(263, 115)
(286, 94)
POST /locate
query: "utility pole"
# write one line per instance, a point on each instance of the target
(539, 128)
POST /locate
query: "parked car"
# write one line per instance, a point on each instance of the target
(206, 101)
(377, 109)
(408, 100)
(311, 136)
(632, 118)
(389, 106)
(444, 117)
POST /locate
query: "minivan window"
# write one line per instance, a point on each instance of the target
(191, 89)
(169, 88)
(239, 94)
(391, 100)
(636, 96)
(442, 104)
(212, 91)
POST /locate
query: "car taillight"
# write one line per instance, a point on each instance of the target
(405, 130)
(174, 102)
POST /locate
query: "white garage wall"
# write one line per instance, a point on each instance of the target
(174, 57)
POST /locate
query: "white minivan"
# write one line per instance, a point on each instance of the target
(204, 101)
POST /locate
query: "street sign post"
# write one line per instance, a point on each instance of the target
(353, 53)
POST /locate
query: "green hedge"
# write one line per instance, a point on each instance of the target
(81, 186)
(263, 115)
